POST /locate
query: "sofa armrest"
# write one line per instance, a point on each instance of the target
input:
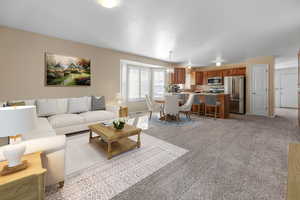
(46, 145)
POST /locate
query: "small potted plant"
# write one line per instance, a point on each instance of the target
(119, 124)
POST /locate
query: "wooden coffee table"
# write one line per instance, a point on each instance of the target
(115, 142)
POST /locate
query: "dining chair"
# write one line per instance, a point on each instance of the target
(171, 107)
(187, 107)
(211, 101)
(153, 107)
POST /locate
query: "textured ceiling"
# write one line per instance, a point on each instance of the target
(199, 31)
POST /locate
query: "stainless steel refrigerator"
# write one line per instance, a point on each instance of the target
(235, 86)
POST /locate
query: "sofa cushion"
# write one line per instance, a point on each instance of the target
(100, 115)
(78, 105)
(98, 103)
(61, 106)
(42, 129)
(46, 107)
(63, 120)
(89, 102)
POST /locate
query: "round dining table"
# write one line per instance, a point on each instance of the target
(167, 117)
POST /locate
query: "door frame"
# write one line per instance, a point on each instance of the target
(267, 89)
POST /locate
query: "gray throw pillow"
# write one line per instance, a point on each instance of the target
(98, 103)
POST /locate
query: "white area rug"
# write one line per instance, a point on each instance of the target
(92, 176)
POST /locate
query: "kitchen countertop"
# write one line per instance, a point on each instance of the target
(201, 93)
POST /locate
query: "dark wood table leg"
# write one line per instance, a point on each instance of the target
(139, 141)
(91, 136)
(109, 150)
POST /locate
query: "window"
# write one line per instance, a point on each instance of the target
(139, 80)
(158, 83)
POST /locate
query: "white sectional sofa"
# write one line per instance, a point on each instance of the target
(63, 120)
(49, 135)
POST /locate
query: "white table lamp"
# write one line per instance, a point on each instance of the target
(15, 121)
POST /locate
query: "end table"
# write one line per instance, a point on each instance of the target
(27, 184)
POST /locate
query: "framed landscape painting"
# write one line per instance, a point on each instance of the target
(67, 70)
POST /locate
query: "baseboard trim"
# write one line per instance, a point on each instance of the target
(270, 116)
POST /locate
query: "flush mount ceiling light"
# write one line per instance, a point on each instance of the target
(109, 3)
(189, 65)
(218, 61)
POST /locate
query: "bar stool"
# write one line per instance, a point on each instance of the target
(200, 105)
(211, 101)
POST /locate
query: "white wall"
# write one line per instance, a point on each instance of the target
(290, 93)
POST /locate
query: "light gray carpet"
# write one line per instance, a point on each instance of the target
(241, 158)
(91, 176)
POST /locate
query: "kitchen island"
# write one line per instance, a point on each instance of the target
(221, 97)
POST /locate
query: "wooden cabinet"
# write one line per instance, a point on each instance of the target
(238, 72)
(234, 72)
(227, 72)
(202, 76)
(178, 77)
(199, 78)
(215, 73)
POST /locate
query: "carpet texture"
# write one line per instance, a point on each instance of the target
(106, 178)
(241, 158)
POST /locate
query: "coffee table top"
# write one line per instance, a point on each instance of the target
(109, 133)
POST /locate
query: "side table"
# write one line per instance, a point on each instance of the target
(28, 184)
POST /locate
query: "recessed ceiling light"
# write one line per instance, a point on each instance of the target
(109, 3)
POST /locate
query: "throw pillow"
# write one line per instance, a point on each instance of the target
(78, 105)
(46, 107)
(98, 103)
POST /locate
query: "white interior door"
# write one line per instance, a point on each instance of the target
(259, 89)
(288, 90)
(277, 89)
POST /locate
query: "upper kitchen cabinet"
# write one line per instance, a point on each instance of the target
(199, 78)
(227, 72)
(234, 72)
(215, 73)
(239, 72)
(178, 77)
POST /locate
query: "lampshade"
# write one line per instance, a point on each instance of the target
(17, 120)
(119, 99)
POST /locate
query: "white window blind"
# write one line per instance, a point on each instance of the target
(158, 83)
(139, 80)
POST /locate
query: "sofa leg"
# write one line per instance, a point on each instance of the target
(61, 184)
